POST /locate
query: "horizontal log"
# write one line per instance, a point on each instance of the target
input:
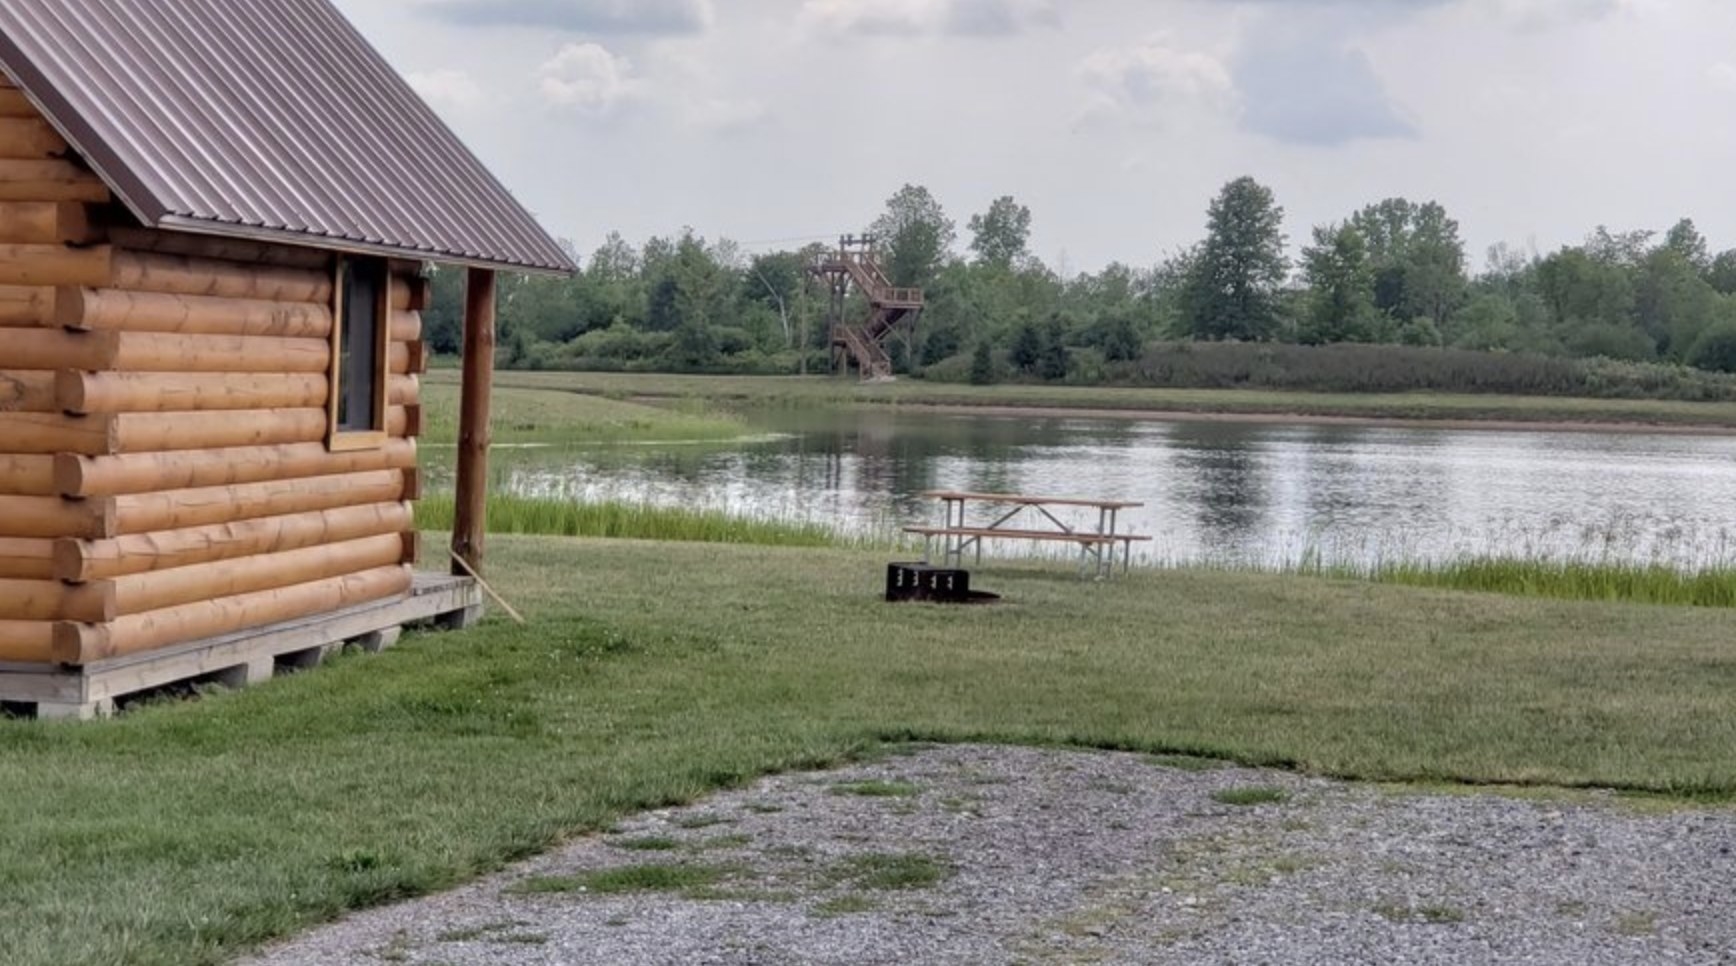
(191, 275)
(22, 559)
(51, 517)
(80, 644)
(405, 327)
(410, 293)
(44, 222)
(165, 432)
(51, 600)
(27, 475)
(29, 139)
(26, 306)
(161, 589)
(45, 171)
(84, 560)
(56, 349)
(190, 314)
(403, 391)
(404, 422)
(27, 391)
(79, 192)
(50, 433)
(13, 103)
(223, 249)
(162, 352)
(54, 264)
(139, 392)
(183, 509)
(27, 642)
(82, 476)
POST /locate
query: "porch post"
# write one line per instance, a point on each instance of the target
(470, 524)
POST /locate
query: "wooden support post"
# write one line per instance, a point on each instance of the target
(471, 520)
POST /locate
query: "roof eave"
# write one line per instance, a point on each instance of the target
(200, 226)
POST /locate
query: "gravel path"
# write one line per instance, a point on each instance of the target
(1010, 855)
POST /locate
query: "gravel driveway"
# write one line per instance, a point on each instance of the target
(973, 854)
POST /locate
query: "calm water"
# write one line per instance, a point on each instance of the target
(1245, 492)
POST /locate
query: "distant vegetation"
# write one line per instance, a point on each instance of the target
(1388, 290)
(541, 416)
(628, 520)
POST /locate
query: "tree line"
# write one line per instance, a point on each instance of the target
(1393, 273)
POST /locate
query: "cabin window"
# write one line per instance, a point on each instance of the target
(359, 353)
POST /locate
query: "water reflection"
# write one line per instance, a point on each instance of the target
(1255, 492)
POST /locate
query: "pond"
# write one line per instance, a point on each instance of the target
(1248, 493)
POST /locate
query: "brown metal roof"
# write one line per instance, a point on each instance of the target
(269, 119)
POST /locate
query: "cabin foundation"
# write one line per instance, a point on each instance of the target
(235, 660)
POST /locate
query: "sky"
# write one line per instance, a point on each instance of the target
(777, 122)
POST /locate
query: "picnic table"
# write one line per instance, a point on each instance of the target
(1018, 516)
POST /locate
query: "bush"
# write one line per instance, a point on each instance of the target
(982, 364)
(1715, 349)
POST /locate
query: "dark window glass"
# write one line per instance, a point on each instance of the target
(359, 368)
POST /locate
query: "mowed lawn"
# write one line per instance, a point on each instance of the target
(186, 832)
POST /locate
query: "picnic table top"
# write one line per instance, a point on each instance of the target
(961, 496)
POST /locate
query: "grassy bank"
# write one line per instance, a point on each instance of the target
(631, 521)
(1629, 583)
(655, 672)
(1431, 407)
(533, 415)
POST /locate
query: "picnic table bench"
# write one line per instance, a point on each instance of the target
(1097, 547)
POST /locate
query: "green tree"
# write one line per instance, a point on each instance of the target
(1120, 340)
(1721, 274)
(915, 234)
(1417, 258)
(1052, 361)
(1001, 235)
(1340, 286)
(1027, 350)
(1716, 347)
(1233, 284)
(982, 364)
(1685, 240)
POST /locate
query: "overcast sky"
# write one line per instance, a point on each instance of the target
(773, 122)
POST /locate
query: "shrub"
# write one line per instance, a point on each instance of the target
(1715, 349)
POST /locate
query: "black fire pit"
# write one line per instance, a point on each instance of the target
(935, 585)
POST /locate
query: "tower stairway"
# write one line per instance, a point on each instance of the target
(890, 310)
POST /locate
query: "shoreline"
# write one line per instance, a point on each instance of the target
(1493, 424)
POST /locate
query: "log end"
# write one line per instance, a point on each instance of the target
(79, 644)
(72, 475)
(71, 307)
(71, 392)
(72, 560)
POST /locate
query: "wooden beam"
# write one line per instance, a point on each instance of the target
(192, 275)
(73, 475)
(162, 589)
(29, 139)
(22, 475)
(54, 264)
(51, 600)
(27, 642)
(159, 352)
(83, 560)
(162, 392)
(26, 559)
(471, 524)
(76, 308)
(50, 518)
(209, 506)
(22, 391)
(165, 432)
(13, 103)
(77, 644)
(44, 222)
(26, 306)
(227, 249)
(49, 433)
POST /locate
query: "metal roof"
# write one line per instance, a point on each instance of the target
(265, 119)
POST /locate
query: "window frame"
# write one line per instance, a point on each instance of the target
(338, 438)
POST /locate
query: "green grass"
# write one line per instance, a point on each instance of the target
(1572, 581)
(654, 673)
(814, 390)
(877, 789)
(632, 878)
(1251, 795)
(885, 871)
(521, 415)
(624, 520)
(647, 843)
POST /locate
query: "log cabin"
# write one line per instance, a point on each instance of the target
(215, 222)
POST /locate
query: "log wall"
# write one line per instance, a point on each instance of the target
(165, 473)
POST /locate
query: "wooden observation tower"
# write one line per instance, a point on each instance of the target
(889, 310)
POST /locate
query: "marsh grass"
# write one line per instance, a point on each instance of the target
(1614, 581)
(526, 415)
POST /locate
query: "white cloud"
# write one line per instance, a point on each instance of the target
(582, 16)
(1536, 14)
(447, 90)
(965, 18)
(1723, 76)
(1153, 77)
(588, 78)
